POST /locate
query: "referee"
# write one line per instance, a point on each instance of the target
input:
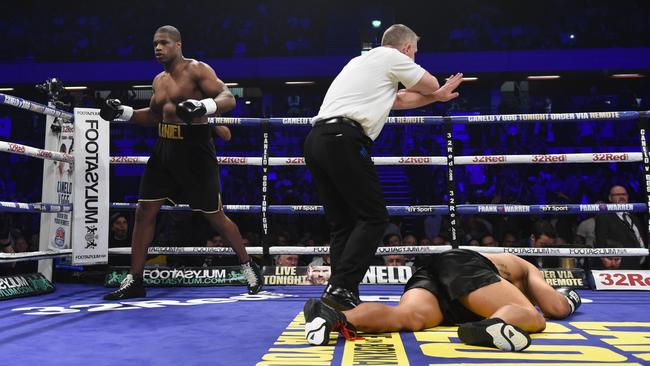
(337, 151)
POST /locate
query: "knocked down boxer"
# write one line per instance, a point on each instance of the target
(491, 296)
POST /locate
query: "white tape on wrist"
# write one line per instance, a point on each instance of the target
(572, 305)
(210, 106)
(127, 113)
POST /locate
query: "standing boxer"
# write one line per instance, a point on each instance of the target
(183, 166)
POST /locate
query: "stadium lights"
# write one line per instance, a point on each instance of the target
(141, 86)
(75, 87)
(299, 82)
(232, 84)
(543, 77)
(627, 76)
(6, 89)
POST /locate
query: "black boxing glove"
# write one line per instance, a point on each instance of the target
(572, 297)
(112, 109)
(192, 108)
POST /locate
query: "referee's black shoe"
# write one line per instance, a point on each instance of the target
(131, 287)
(340, 298)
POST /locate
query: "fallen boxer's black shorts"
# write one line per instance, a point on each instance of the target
(451, 275)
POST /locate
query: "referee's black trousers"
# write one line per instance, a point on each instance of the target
(338, 156)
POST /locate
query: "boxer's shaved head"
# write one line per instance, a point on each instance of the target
(171, 30)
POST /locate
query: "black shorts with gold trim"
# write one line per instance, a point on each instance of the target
(183, 168)
(452, 274)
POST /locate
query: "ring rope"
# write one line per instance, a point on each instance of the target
(34, 152)
(418, 210)
(605, 157)
(324, 250)
(33, 256)
(34, 107)
(487, 118)
(494, 118)
(34, 207)
(176, 250)
(562, 252)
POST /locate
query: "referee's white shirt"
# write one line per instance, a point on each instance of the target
(366, 88)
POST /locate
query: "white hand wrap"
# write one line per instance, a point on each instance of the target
(210, 106)
(127, 112)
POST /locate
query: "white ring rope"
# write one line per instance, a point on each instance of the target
(34, 152)
(430, 249)
(606, 157)
(179, 250)
(561, 252)
(31, 256)
(397, 250)
(34, 107)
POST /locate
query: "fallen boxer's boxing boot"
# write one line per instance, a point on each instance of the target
(494, 333)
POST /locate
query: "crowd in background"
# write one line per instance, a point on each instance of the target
(41, 31)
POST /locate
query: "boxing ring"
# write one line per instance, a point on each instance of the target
(225, 326)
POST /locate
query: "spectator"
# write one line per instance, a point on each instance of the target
(21, 245)
(510, 240)
(6, 244)
(119, 231)
(620, 229)
(409, 239)
(286, 260)
(611, 262)
(543, 235)
(119, 238)
(473, 242)
(424, 241)
(216, 241)
(320, 261)
(395, 260)
(586, 232)
(392, 240)
(488, 241)
(439, 240)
